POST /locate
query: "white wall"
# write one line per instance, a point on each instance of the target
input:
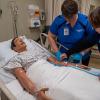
(6, 27)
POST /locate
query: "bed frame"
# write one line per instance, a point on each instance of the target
(5, 94)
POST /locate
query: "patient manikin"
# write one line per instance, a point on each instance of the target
(20, 63)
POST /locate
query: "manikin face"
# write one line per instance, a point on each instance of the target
(19, 45)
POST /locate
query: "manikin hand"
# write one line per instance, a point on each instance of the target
(84, 67)
(41, 94)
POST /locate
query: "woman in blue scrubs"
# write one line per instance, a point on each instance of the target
(69, 28)
(89, 41)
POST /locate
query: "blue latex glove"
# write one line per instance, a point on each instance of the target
(75, 58)
(58, 55)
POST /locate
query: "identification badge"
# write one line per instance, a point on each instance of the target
(66, 31)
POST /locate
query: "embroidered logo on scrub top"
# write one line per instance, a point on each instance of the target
(66, 31)
(79, 30)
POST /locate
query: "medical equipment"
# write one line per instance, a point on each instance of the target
(34, 13)
(14, 12)
(63, 82)
(42, 15)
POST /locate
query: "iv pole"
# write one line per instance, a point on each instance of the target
(14, 12)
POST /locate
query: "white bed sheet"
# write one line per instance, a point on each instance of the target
(65, 83)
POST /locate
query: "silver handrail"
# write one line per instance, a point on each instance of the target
(41, 39)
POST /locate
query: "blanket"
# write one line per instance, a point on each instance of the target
(64, 83)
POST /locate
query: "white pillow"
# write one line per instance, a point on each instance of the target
(6, 53)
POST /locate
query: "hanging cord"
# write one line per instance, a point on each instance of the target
(14, 12)
(0, 9)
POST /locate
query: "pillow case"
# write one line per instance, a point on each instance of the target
(5, 52)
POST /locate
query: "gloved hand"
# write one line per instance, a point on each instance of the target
(58, 55)
(64, 57)
(76, 58)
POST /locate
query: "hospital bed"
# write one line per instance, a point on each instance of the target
(64, 83)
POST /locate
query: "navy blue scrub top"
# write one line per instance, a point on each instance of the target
(85, 44)
(68, 35)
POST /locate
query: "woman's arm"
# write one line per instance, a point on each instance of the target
(53, 44)
(52, 41)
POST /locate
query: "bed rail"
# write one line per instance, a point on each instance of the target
(46, 44)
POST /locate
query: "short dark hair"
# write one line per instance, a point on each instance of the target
(69, 8)
(95, 17)
(13, 43)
